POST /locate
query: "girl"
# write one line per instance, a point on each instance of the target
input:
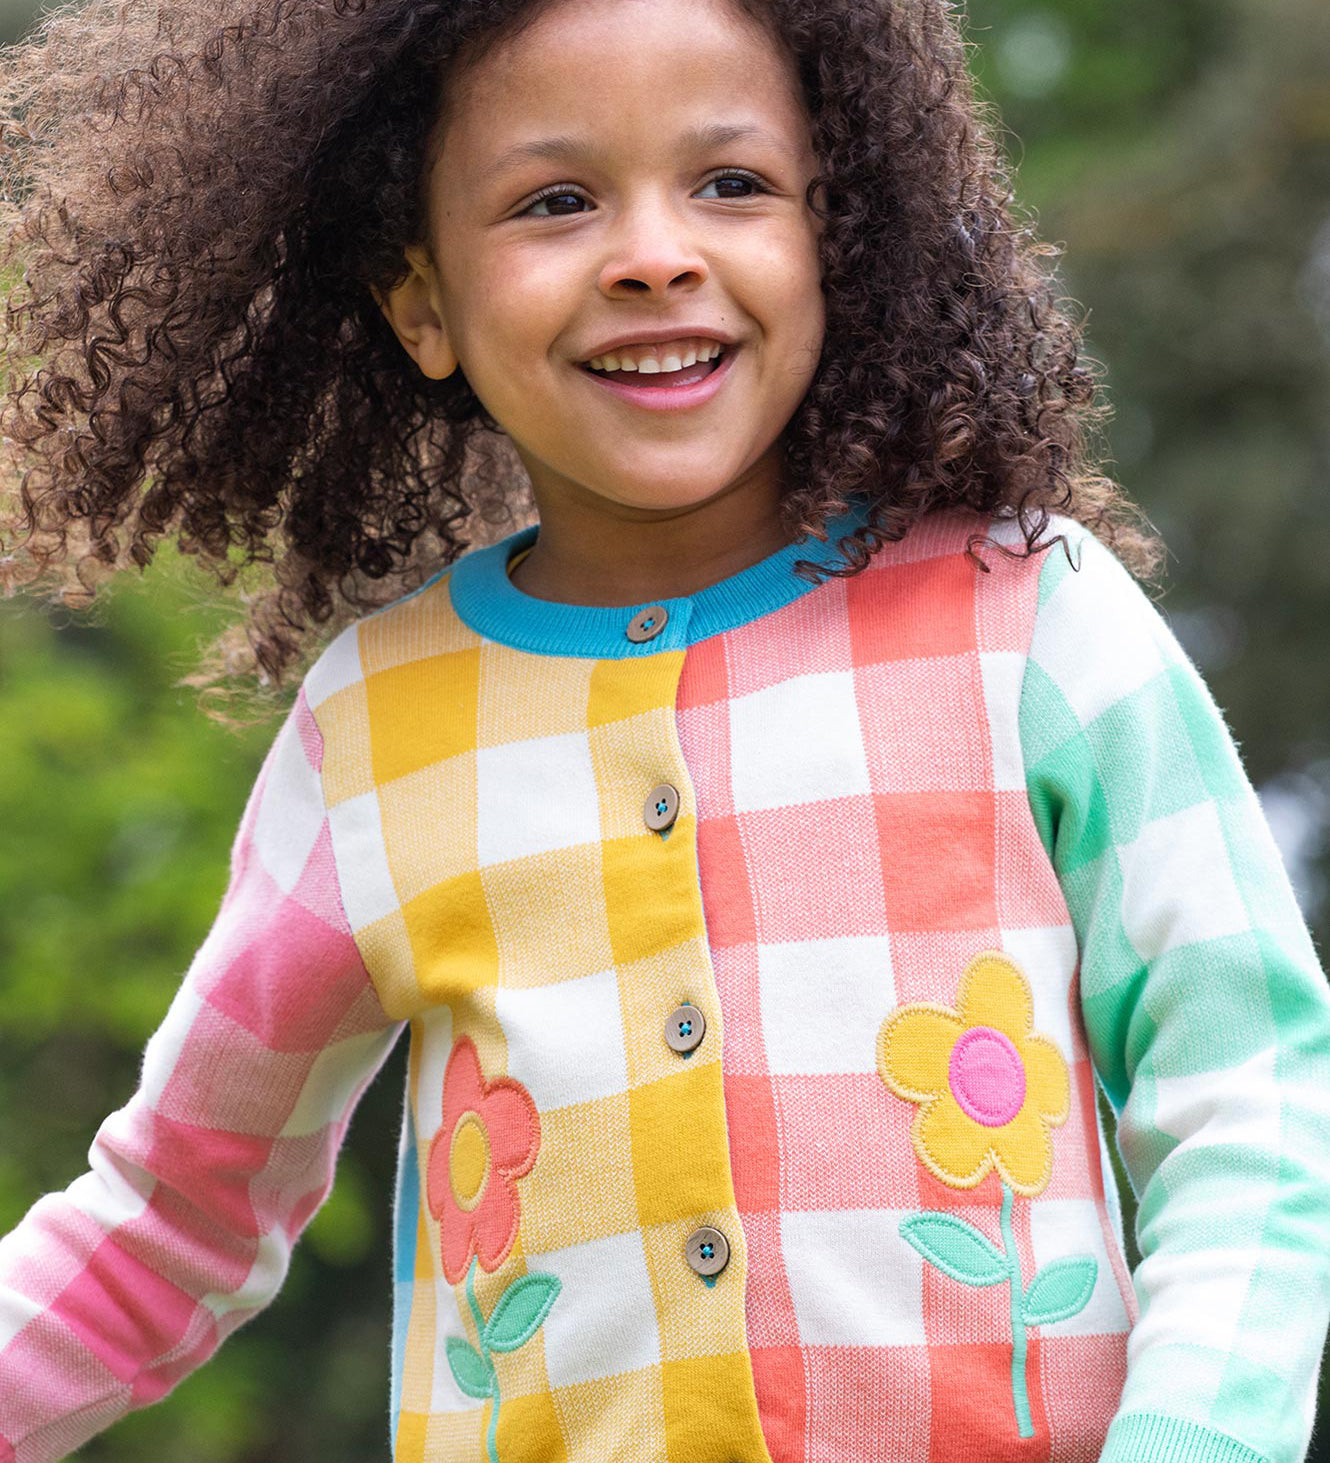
(768, 849)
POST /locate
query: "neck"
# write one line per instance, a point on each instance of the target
(590, 554)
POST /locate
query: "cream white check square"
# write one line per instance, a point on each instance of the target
(1187, 1386)
(1047, 954)
(332, 1080)
(1003, 672)
(1185, 855)
(447, 1395)
(1193, 1297)
(535, 796)
(1308, 1401)
(290, 813)
(798, 741)
(1123, 661)
(434, 1041)
(337, 668)
(111, 1193)
(594, 1329)
(853, 1278)
(823, 1002)
(565, 1041)
(357, 836)
(165, 1045)
(1240, 1105)
(1069, 1228)
(18, 1310)
(272, 1257)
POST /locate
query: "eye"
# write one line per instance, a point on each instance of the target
(739, 175)
(546, 197)
(561, 191)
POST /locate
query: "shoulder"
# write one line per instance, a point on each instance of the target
(997, 547)
(1075, 551)
(1071, 588)
(1103, 653)
(418, 627)
(1069, 613)
(1088, 596)
(984, 562)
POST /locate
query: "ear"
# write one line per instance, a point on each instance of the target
(820, 198)
(414, 309)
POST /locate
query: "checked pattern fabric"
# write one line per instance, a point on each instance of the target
(508, 894)
(864, 833)
(954, 848)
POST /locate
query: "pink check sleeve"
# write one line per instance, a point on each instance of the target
(116, 1288)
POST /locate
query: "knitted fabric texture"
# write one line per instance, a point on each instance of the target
(951, 847)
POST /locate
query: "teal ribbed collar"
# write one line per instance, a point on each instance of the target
(492, 605)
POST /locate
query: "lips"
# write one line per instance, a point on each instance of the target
(649, 338)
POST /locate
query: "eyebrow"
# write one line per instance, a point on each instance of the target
(704, 137)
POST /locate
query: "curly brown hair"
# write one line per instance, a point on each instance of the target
(204, 195)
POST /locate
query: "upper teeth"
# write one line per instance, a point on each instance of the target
(668, 355)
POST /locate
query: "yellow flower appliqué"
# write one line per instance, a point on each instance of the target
(987, 1086)
(988, 1090)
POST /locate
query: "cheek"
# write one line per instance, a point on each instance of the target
(793, 275)
(512, 308)
(800, 328)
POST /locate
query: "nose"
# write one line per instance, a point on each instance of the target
(652, 247)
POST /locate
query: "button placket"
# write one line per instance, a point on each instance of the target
(707, 1249)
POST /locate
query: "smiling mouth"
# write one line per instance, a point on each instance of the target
(685, 376)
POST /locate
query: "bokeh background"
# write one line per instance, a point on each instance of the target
(1179, 152)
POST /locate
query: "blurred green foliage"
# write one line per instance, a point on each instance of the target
(1180, 151)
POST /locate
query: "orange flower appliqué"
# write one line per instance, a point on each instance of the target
(489, 1138)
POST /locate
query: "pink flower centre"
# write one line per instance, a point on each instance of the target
(987, 1076)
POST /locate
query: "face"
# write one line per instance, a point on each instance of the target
(642, 231)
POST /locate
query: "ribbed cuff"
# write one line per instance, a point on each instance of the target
(1147, 1437)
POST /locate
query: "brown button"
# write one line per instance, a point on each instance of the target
(662, 807)
(707, 1250)
(685, 1027)
(647, 624)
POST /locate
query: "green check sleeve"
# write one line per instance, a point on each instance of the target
(1207, 1016)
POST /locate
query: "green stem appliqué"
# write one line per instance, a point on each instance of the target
(517, 1315)
(1060, 1289)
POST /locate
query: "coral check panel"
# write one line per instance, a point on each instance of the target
(935, 1261)
(794, 1238)
(487, 807)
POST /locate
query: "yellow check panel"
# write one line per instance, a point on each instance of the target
(510, 900)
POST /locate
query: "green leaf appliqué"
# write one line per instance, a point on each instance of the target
(1060, 1289)
(956, 1248)
(519, 1311)
(469, 1371)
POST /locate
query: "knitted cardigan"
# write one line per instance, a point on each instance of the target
(761, 951)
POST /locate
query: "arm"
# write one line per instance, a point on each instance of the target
(115, 1289)
(1207, 1015)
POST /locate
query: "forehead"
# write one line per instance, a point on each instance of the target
(602, 66)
